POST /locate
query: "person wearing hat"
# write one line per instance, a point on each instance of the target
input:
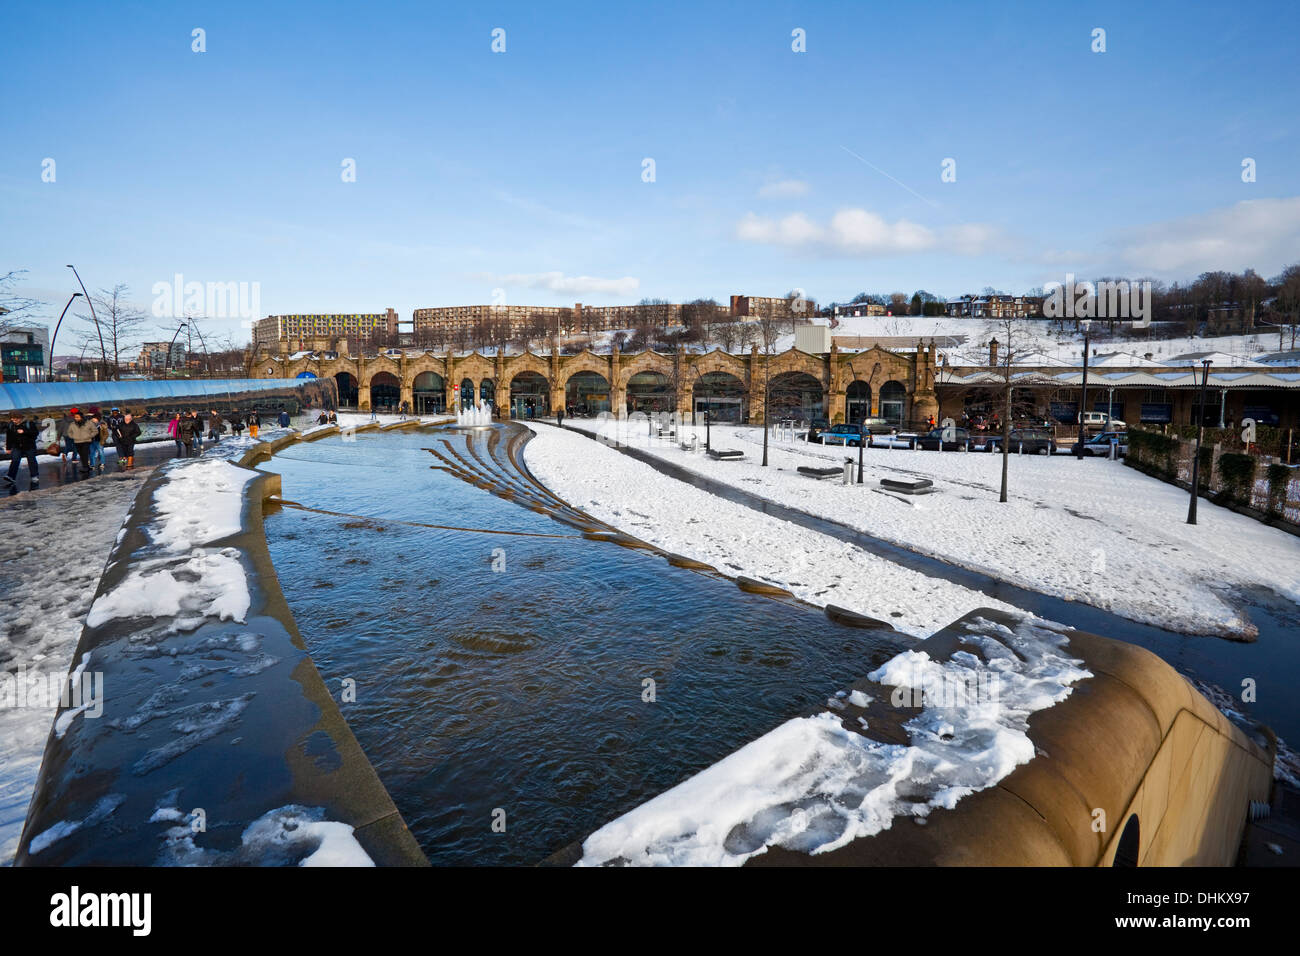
(20, 439)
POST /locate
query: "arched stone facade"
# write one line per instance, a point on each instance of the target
(913, 370)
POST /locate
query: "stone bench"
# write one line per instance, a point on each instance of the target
(820, 473)
(731, 455)
(918, 486)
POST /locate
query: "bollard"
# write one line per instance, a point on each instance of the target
(848, 471)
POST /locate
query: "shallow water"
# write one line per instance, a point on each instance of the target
(521, 689)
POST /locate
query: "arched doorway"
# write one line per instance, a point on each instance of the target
(721, 395)
(587, 393)
(650, 392)
(466, 393)
(385, 392)
(857, 401)
(430, 393)
(893, 403)
(347, 383)
(530, 396)
(796, 395)
(487, 391)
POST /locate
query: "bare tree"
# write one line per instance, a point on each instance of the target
(15, 309)
(1288, 301)
(119, 325)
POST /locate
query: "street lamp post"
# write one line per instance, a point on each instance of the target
(854, 373)
(55, 337)
(1083, 398)
(102, 351)
(167, 357)
(1200, 432)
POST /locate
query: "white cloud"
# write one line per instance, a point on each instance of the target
(784, 189)
(861, 232)
(559, 283)
(1263, 234)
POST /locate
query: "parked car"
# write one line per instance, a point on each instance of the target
(850, 435)
(1102, 421)
(816, 428)
(877, 426)
(1100, 444)
(1030, 441)
(957, 439)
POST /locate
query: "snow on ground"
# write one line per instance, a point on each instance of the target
(741, 541)
(1094, 531)
(1040, 335)
(812, 786)
(52, 554)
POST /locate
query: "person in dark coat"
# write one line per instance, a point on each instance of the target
(82, 432)
(254, 423)
(189, 427)
(214, 426)
(20, 439)
(236, 423)
(284, 418)
(127, 434)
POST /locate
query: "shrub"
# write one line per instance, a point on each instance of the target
(1238, 476)
(1279, 480)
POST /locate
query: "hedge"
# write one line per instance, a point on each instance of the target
(1238, 474)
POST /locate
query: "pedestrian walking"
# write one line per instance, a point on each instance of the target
(20, 440)
(198, 432)
(68, 450)
(189, 427)
(98, 442)
(82, 431)
(127, 434)
(254, 423)
(174, 429)
(284, 418)
(559, 417)
(215, 426)
(236, 423)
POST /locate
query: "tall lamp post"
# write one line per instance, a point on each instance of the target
(861, 442)
(102, 351)
(1200, 432)
(49, 375)
(167, 357)
(1083, 398)
(708, 406)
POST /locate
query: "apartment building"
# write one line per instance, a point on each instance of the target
(356, 326)
(161, 355)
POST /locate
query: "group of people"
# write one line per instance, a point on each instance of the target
(77, 438)
(324, 418)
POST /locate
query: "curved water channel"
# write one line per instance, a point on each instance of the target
(521, 689)
(501, 658)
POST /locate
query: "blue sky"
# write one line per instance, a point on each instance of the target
(522, 170)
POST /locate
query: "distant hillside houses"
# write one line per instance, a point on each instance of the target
(995, 307)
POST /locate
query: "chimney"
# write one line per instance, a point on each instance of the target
(993, 352)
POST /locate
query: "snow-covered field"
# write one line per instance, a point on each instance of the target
(738, 540)
(1094, 531)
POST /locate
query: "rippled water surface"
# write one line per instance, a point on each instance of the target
(521, 689)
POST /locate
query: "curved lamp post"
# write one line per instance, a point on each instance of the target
(168, 356)
(102, 351)
(49, 375)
